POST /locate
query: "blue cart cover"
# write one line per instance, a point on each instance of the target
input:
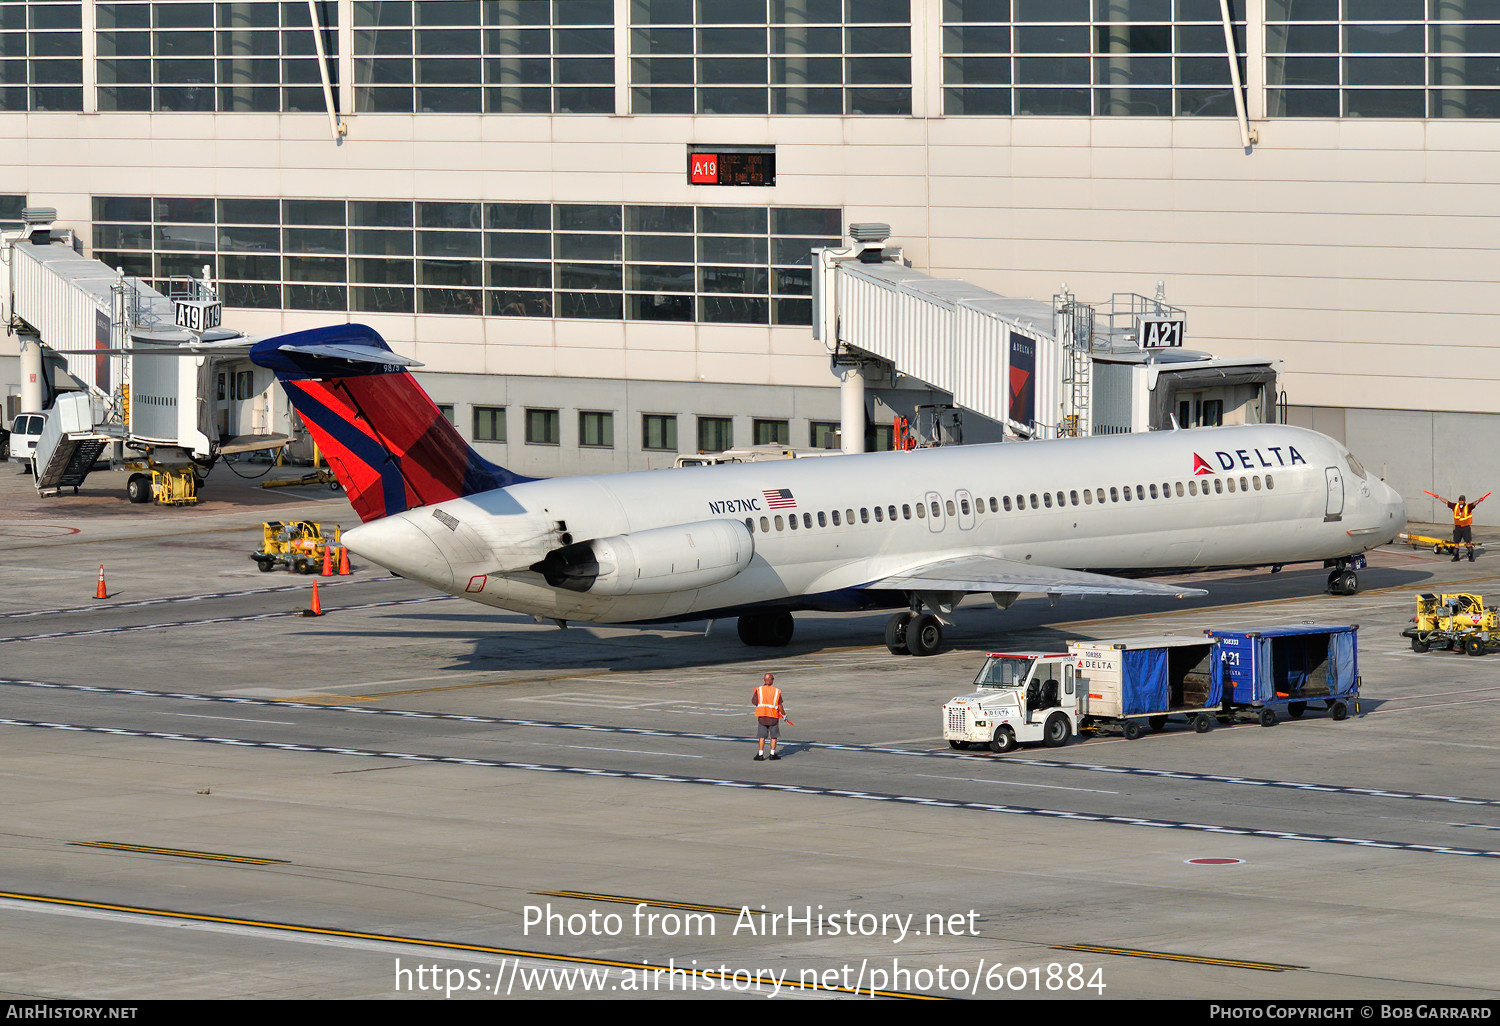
(1260, 665)
(1143, 681)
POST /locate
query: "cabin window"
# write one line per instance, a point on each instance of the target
(1073, 497)
(1007, 503)
(906, 511)
(791, 521)
(1153, 491)
(1192, 487)
(1179, 489)
(1101, 496)
(823, 518)
(1034, 503)
(879, 515)
(779, 526)
(1128, 496)
(835, 518)
(921, 511)
(1256, 481)
(807, 520)
(949, 504)
(1114, 495)
(994, 505)
(1269, 484)
(963, 506)
(1140, 492)
(1047, 499)
(1060, 499)
(750, 524)
(849, 516)
(1218, 486)
(765, 525)
(1088, 497)
(1231, 485)
(937, 510)
(864, 515)
(1244, 485)
(890, 511)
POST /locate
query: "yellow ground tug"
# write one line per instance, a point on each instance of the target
(1454, 621)
(1439, 545)
(298, 545)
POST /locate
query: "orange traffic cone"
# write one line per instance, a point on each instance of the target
(343, 561)
(317, 607)
(327, 561)
(99, 592)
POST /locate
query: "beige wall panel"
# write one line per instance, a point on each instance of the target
(538, 361)
(590, 334)
(665, 337)
(660, 365)
(448, 357)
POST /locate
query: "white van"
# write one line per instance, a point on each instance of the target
(25, 430)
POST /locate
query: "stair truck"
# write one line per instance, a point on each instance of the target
(1094, 686)
(1269, 671)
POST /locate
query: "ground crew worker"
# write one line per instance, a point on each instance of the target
(769, 712)
(1463, 522)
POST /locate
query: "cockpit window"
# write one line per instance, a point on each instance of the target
(1355, 466)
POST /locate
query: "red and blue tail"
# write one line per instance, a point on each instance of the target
(386, 440)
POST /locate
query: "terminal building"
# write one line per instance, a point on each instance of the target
(595, 222)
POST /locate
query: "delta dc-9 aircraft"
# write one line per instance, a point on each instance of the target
(914, 531)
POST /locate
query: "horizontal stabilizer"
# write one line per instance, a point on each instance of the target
(993, 574)
(355, 354)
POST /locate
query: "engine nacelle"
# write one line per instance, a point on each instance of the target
(654, 562)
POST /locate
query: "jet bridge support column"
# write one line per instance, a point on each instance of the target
(852, 407)
(31, 374)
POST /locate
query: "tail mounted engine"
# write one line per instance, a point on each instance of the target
(654, 562)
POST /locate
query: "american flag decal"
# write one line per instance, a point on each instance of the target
(779, 498)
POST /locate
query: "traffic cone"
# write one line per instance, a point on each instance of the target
(99, 592)
(343, 561)
(317, 607)
(327, 561)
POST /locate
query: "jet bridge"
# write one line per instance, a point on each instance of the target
(1040, 369)
(151, 378)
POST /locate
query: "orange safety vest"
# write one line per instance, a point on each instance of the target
(768, 701)
(1463, 514)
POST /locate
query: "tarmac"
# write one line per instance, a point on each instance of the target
(205, 794)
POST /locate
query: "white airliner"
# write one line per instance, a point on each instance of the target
(915, 531)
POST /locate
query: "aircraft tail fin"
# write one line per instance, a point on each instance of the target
(387, 442)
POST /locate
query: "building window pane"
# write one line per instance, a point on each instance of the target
(659, 432)
(596, 430)
(489, 423)
(543, 427)
(715, 434)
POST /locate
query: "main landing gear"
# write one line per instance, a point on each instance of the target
(1342, 580)
(914, 633)
(768, 629)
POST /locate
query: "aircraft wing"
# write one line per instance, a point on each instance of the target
(993, 574)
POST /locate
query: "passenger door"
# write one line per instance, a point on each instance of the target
(1335, 507)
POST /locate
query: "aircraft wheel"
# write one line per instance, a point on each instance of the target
(1056, 734)
(924, 635)
(895, 633)
(1005, 740)
(779, 629)
(138, 488)
(752, 629)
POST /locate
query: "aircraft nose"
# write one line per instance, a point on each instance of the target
(402, 547)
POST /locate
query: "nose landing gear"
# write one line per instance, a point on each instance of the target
(1342, 580)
